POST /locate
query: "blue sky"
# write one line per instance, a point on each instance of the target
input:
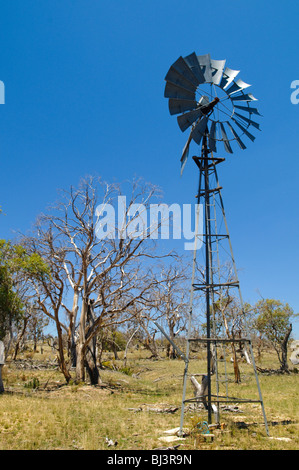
(84, 84)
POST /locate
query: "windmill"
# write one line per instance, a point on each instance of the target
(215, 106)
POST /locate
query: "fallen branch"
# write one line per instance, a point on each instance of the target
(272, 371)
(168, 448)
(155, 408)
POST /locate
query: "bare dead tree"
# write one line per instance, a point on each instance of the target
(146, 330)
(50, 289)
(97, 281)
(172, 300)
(167, 304)
(128, 344)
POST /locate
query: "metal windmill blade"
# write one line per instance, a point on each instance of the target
(185, 153)
(212, 137)
(178, 92)
(248, 121)
(236, 86)
(199, 130)
(248, 109)
(245, 131)
(183, 68)
(205, 65)
(243, 97)
(192, 62)
(177, 78)
(178, 106)
(228, 77)
(187, 119)
(217, 70)
(225, 139)
(222, 114)
(241, 144)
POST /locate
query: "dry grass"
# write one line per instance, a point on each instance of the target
(57, 416)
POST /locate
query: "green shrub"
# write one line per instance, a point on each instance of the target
(32, 384)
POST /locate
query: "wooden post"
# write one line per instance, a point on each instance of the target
(2, 361)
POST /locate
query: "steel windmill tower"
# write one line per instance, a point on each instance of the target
(216, 108)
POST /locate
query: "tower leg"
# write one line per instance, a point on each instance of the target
(191, 303)
(208, 255)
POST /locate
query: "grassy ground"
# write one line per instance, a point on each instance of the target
(38, 411)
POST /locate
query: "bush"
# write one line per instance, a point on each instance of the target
(32, 384)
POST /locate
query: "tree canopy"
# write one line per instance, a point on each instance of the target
(273, 322)
(15, 266)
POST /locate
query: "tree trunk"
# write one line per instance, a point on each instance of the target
(1, 383)
(73, 352)
(80, 372)
(62, 362)
(72, 327)
(87, 357)
(114, 345)
(80, 349)
(20, 337)
(284, 350)
(91, 349)
(91, 363)
(235, 361)
(2, 360)
(170, 351)
(87, 348)
(127, 346)
(150, 345)
(201, 391)
(236, 366)
(10, 339)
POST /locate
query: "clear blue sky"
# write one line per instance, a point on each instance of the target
(84, 82)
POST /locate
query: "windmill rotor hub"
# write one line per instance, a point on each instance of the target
(206, 109)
